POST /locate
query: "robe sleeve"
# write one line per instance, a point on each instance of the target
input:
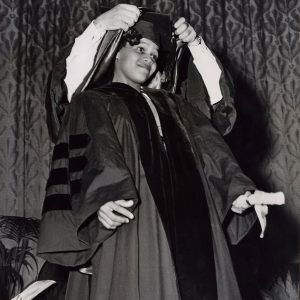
(226, 182)
(56, 100)
(222, 177)
(106, 176)
(223, 113)
(96, 173)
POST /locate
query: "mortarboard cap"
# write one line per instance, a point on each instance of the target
(156, 27)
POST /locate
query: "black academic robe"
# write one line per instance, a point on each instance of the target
(176, 248)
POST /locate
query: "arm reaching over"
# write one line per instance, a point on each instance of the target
(82, 56)
(208, 68)
(204, 60)
(81, 59)
(96, 45)
(207, 87)
(77, 63)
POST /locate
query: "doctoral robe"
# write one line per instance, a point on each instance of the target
(182, 186)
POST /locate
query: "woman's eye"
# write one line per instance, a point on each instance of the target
(155, 57)
(140, 49)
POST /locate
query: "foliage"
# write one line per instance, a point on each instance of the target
(12, 260)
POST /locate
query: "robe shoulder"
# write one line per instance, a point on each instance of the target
(103, 176)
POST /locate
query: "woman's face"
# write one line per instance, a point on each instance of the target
(135, 64)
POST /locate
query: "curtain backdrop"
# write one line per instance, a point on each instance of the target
(257, 41)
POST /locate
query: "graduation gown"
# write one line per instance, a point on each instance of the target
(108, 149)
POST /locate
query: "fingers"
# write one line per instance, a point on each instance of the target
(130, 12)
(110, 209)
(108, 217)
(241, 204)
(121, 25)
(236, 209)
(119, 205)
(130, 7)
(188, 36)
(185, 31)
(121, 16)
(107, 224)
(128, 20)
(124, 203)
(179, 22)
(156, 81)
(111, 218)
(181, 25)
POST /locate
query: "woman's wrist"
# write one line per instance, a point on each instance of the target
(197, 41)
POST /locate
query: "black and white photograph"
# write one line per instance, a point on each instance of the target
(150, 150)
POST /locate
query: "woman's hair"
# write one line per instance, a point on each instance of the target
(132, 36)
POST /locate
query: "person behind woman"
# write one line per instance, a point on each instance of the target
(141, 182)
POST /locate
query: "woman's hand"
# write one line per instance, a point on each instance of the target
(185, 32)
(122, 16)
(241, 203)
(108, 217)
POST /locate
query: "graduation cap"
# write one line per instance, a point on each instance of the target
(156, 27)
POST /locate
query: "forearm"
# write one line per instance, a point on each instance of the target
(217, 84)
(81, 59)
(208, 68)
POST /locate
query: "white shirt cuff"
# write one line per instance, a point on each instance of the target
(81, 59)
(208, 68)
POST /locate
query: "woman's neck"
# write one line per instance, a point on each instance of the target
(134, 85)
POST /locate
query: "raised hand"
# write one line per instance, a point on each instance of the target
(122, 16)
(185, 32)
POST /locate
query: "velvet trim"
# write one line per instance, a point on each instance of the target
(57, 202)
(60, 151)
(75, 186)
(178, 193)
(79, 141)
(77, 163)
(61, 176)
(58, 176)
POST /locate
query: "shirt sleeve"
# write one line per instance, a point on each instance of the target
(208, 68)
(81, 58)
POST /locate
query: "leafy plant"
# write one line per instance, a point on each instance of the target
(21, 231)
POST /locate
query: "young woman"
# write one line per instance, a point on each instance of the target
(142, 184)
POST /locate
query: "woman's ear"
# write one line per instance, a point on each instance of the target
(155, 81)
(118, 55)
